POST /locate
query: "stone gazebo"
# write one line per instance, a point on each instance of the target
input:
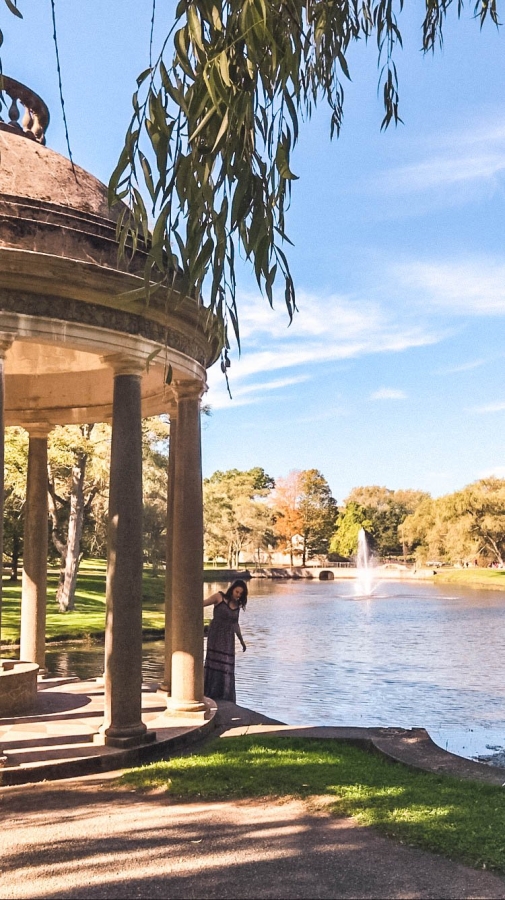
(72, 350)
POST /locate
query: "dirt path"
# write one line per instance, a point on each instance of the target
(87, 839)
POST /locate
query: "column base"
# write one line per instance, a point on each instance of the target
(183, 709)
(125, 741)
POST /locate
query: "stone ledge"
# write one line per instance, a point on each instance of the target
(412, 747)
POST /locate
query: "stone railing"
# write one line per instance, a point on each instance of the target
(36, 114)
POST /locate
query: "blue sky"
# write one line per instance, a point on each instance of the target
(392, 372)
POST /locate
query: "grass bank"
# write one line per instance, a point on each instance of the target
(458, 819)
(490, 579)
(88, 617)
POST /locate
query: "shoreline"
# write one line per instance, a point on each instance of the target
(476, 578)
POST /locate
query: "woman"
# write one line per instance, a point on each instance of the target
(220, 659)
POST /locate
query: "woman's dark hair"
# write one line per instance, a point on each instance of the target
(229, 593)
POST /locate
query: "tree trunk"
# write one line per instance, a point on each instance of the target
(16, 544)
(65, 594)
(291, 551)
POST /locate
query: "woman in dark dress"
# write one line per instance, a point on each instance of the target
(220, 660)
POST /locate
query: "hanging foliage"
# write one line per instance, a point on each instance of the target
(206, 164)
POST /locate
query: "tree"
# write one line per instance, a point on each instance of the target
(236, 516)
(285, 501)
(155, 434)
(386, 510)
(462, 526)
(16, 464)
(350, 520)
(78, 471)
(216, 116)
(78, 496)
(482, 504)
(318, 510)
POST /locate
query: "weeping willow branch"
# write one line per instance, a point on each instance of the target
(214, 127)
(206, 164)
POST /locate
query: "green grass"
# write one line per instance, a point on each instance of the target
(493, 579)
(88, 617)
(459, 819)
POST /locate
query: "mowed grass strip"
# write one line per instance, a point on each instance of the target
(462, 820)
(492, 579)
(88, 617)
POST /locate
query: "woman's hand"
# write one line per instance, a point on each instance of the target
(244, 648)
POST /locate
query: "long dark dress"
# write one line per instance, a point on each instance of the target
(220, 660)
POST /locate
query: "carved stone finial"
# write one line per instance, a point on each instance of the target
(36, 115)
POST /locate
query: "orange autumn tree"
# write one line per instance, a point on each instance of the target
(286, 504)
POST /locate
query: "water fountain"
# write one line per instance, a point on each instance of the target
(364, 585)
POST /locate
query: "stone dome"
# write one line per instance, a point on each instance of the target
(31, 171)
(68, 300)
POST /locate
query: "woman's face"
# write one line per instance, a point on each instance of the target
(237, 593)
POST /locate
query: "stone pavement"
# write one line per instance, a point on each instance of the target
(56, 741)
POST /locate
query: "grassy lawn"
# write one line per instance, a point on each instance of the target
(494, 579)
(88, 618)
(459, 819)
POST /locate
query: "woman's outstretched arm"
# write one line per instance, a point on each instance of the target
(238, 632)
(214, 599)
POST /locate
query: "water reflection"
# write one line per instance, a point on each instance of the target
(407, 656)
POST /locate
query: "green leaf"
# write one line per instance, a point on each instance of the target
(195, 26)
(13, 8)
(152, 356)
(142, 77)
(282, 163)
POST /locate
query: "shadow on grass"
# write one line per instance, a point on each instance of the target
(460, 819)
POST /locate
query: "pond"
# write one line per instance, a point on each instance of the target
(410, 655)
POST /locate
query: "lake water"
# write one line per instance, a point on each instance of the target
(410, 655)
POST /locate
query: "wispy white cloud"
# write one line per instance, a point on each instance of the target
(476, 154)
(327, 329)
(388, 394)
(439, 172)
(473, 287)
(463, 367)
(498, 406)
(244, 395)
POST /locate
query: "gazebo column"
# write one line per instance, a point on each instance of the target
(123, 724)
(187, 564)
(34, 581)
(6, 341)
(167, 679)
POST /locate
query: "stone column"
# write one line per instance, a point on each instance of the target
(34, 582)
(187, 580)
(6, 341)
(123, 724)
(167, 680)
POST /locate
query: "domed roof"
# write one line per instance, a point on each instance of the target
(29, 170)
(72, 302)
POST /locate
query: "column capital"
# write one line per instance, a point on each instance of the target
(189, 389)
(38, 429)
(126, 364)
(6, 341)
